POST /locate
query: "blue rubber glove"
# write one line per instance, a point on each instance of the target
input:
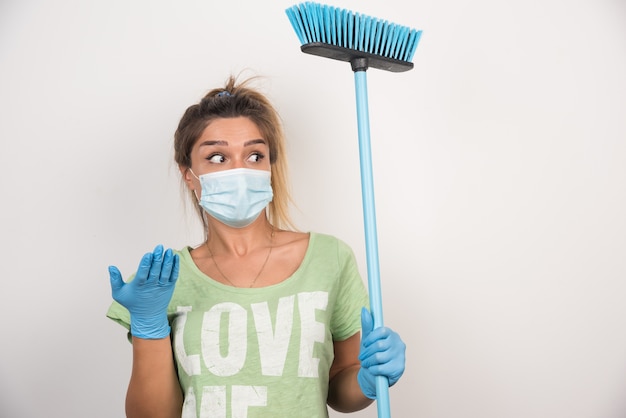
(147, 296)
(382, 354)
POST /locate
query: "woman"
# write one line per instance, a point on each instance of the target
(259, 320)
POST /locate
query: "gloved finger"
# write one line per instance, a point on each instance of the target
(115, 277)
(377, 358)
(175, 268)
(166, 269)
(143, 270)
(367, 324)
(392, 372)
(376, 335)
(372, 354)
(157, 263)
(382, 340)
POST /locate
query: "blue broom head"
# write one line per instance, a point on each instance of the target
(344, 35)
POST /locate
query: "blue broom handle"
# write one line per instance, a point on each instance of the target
(369, 218)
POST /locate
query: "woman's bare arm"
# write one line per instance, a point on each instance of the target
(153, 391)
(344, 392)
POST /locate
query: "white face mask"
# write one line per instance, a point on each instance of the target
(235, 197)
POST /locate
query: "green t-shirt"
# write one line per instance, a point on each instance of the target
(262, 352)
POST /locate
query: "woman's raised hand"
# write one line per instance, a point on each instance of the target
(147, 296)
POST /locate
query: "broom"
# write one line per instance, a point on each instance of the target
(364, 42)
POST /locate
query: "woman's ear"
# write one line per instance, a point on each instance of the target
(188, 177)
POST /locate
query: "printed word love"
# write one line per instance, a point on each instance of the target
(225, 337)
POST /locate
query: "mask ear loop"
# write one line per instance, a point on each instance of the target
(203, 212)
(193, 174)
(194, 191)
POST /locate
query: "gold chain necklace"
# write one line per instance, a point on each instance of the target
(260, 271)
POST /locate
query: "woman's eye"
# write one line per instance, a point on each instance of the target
(256, 157)
(216, 158)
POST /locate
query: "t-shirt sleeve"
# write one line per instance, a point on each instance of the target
(120, 314)
(351, 297)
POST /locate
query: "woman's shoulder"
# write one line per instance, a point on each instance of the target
(312, 238)
(184, 252)
(313, 244)
(330, 242)
(284, 236)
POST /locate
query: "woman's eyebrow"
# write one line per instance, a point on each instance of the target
(254, 142)
(221, 142)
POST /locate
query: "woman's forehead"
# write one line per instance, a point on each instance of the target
(231, 131)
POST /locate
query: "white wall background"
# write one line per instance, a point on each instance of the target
(500, 165)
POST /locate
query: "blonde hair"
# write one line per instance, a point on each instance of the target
(231, 101)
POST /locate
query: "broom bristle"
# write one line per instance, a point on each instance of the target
(318, 23)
